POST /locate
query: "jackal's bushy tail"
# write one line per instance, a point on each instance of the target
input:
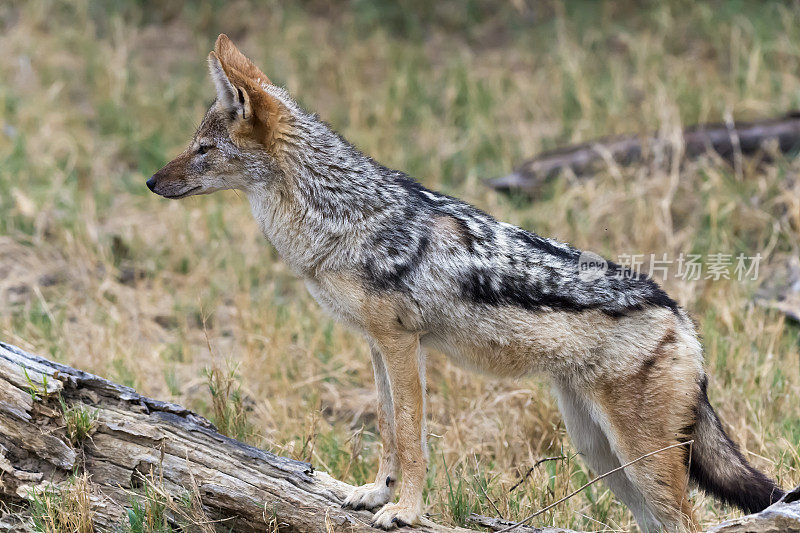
(720, 469)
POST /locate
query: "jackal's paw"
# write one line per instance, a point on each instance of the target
(369, 496)
(394, 515)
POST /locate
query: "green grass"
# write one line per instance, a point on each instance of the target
(79, 421)
(98, 273)
(37, 390)
(457, 498)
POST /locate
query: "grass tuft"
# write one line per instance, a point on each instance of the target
(79, 421)
(154, 510)
(37, 391)
(457, 498)
(57, 509)
(229, 413)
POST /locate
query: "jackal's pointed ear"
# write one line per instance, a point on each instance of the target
(233, 99)
(242, 92)
(232, 58)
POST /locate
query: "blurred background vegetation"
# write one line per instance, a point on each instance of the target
(186, 301)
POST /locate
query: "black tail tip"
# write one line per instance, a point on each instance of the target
(719, 468)
(752, 492)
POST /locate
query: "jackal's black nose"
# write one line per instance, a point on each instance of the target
(151, 182)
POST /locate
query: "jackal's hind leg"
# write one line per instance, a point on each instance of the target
(646, 412)
(588, 438)
(373, 495)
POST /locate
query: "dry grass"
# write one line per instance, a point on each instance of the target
(64, 508)
(99, 273)
(155, 509)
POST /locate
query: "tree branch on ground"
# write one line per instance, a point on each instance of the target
(727, 141)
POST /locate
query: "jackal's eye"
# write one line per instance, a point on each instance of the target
(203, 148)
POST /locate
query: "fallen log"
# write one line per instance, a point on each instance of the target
(780, 517)
(59, 424)
(726, 140)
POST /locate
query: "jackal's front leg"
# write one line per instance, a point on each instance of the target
(374, 495)
(405, 368)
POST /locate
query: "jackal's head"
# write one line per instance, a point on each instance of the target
(236, 144)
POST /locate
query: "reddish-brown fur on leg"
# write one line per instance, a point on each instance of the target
(648, 410)
(401, 355)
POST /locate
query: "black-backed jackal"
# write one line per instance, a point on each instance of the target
(412, 269)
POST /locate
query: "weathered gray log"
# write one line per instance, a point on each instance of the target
(723, 139)
(781, 517)
(137, 440)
